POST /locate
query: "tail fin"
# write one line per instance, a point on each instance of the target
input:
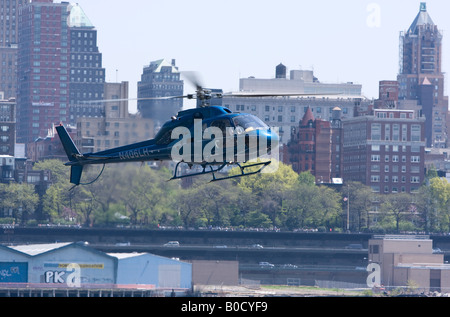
(72, 154)
(67, 142)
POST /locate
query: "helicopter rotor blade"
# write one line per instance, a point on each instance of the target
(194, 78)
(128, 99)
(259, 94)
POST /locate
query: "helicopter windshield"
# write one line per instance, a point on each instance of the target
(249, 122)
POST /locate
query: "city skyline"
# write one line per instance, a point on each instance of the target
(347, 41)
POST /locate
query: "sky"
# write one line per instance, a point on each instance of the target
(224, 40)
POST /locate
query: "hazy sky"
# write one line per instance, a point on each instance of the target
(224, 40)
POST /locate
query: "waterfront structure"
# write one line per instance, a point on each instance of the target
(404, 260)
(160, 79)
(76, 265)
(385, 150)
(421, 78)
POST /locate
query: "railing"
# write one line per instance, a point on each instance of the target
(401, 237)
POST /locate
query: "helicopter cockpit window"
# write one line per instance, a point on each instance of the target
(224, 125)
(248, 123)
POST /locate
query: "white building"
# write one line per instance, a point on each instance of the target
(286, 111)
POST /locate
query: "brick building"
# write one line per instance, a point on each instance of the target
(385, 150)
(315, 146)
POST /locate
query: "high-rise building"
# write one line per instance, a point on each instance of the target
(7, 127)
(385, 150)
(420, 65)
(160, 79)
(87, 76)
(58, 65)
(43, 68)
(9, 24)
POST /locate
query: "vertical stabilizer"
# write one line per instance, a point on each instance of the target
(72, 154)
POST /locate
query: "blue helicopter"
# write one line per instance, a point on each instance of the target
(209, 137)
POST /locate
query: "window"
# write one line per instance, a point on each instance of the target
(395, 132)
(415, 132)
(387, 132)
(404, 132)
(415, 159)
(415, 179)
(375, 158)
(376, 131)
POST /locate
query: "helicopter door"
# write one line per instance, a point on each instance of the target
(227, 132)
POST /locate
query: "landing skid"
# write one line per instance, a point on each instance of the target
(213, 171)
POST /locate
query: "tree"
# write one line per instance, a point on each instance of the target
(269, 189)
(398, 207)
(360, 200)
(21, 199)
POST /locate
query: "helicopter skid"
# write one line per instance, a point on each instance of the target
(220, 167)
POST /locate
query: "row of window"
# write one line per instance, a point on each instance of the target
(395, 158)
(395, 148)
(394, 168)
(394, 179)
(394, 189)
(395, 135)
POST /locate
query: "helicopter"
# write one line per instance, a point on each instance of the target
(209, 137)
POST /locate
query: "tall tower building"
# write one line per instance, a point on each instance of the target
(87, 76)
(9, 18)
(420, 64)
(160, 79)
(58, 65)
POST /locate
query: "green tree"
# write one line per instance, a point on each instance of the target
(270, 190)
(21, 199)
(397, 207)
(360, 199)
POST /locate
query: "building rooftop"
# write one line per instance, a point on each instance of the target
(35, 249)
(400, 237)
(159, 64)
(422, 18)
(78, 18)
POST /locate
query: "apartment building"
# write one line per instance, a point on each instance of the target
(385, 150)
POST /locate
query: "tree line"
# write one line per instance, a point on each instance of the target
(136, 195)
